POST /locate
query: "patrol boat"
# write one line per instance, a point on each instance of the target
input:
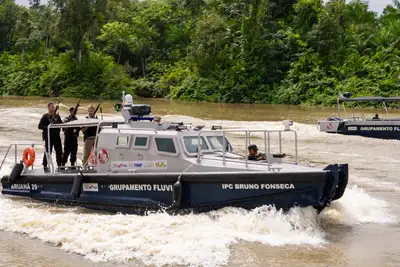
(140, 165)
(386, 128)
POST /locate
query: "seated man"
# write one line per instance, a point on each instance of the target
(253, 153)
(157, 119)
(376, 117)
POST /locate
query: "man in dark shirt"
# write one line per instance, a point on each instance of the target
(70, 139)
(51, 118)
(89, 135)
(253, 153)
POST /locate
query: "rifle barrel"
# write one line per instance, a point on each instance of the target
(97, 108)
(57, 106)
(76, 107)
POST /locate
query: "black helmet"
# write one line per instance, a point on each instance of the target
(252, 146)
(71, 109)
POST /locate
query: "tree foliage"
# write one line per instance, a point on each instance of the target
(251, 51)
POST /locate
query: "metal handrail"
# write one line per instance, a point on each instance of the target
(5, 156)
(16, 150)
(247, 138)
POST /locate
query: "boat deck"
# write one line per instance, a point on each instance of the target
(207, 166)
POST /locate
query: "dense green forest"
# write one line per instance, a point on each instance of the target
(248, 51)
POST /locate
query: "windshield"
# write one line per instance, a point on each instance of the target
(216, 143)
(191, 143)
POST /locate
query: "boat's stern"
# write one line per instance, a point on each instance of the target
(330, 125)
(336, 181)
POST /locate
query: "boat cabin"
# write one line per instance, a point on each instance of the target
(139, 144)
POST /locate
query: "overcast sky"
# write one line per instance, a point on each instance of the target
(375, 5)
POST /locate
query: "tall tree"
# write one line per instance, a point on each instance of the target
(8, 18)
(77, 18)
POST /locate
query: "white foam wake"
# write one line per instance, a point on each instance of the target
(195, 240)
(357, 207)
(159, 238)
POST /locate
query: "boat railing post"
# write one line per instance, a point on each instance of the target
(223, 149)
(96, 138)
(5, 156)
(384, 105)
(295, 147)
(16, 150)
(269, 150)
(265, 142)
(48, 155)
(245, 146)
(198, 148)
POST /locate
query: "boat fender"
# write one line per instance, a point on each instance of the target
(16, 172)
(5, 179)
(177, 194)
(76, 187)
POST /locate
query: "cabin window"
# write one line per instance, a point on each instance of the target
(216, 143)
(123, 141)
(166, 145)
(191, 143)
(141, 142)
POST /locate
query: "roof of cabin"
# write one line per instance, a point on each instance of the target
(369, 99)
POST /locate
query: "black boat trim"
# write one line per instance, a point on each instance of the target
(171, 178)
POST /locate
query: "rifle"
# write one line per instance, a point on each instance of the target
(97, 108)
(76, 107)
(56, 110)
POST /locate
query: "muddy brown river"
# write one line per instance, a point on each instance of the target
(361, 229)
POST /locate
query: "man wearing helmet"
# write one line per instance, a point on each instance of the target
(253, 153)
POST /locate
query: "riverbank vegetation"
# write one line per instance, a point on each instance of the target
(248, 51)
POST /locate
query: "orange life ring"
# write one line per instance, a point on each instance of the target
(29, 156)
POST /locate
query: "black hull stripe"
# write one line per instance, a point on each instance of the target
(302, 177)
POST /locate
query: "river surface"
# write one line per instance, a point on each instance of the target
(361, 229)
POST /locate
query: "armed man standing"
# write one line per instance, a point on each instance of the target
(89, 135)
(71, 138)
(51, 117)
